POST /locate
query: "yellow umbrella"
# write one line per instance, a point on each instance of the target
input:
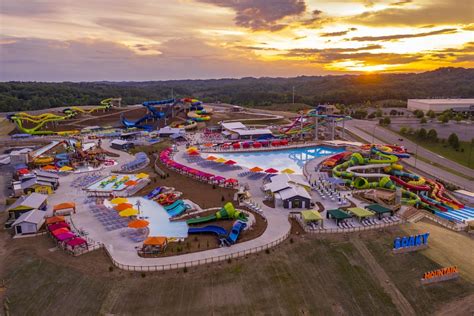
(65, 168)
(192, 148)
(119, 201)
(221, 160)
(288, 171)
(129, 212)
(142, 175)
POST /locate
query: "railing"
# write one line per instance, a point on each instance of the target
(342, 230)
(194, 263)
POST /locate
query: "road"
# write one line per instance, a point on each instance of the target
(371, 132)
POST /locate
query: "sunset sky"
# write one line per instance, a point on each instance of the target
(91, 40)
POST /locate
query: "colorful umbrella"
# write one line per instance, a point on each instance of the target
(60, 231)
(65, 168)
(119, 201)
(123, 207)
(271, 170)
(211, 158)
(130, 182)
(138, 223)
(193, 153)
(288, 171)
(231, 180)
(49, 167)
(129, 212)
(256, 169)
(220, 160)
(192, 148)
(230, 162)
(142, 175)
(208, 145)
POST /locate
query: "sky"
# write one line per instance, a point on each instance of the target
(117, 40)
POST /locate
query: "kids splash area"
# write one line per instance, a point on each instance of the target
(161, 188)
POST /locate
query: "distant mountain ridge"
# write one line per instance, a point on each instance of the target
(249, 91)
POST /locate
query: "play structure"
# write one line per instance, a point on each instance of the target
(225, 238)
(226, 212)
(309, 122)
(177, 208)
(377, 167)
(42, 120)
(187, 125)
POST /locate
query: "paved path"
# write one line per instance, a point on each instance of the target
(367, 134)
(378, 272)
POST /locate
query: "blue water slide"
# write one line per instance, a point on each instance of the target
(210, 229)
(178, 210)
(152, 115)
(153, 193)
(173, 205)
(235, 232)
(399, 155)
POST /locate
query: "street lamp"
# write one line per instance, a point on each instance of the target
(416, 153)
(138, 204)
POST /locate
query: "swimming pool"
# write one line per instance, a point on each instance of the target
(293, 158)
(160, 224)
(112, 183)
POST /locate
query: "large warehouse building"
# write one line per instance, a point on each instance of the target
(440, 105)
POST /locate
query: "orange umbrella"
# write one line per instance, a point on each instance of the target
(130, 182)
(138, 223)
(256, 169)
(49, 167)
(54, 220)
(123, 207)
(193, 153)
(208, 145)
(155, 241)
(211, 158)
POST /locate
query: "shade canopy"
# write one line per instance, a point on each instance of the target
(130, 182)
(138, 223)
(230, 162)
(211, 158)
(311, 216)
(221, 160)
(65, 236)
(65, 168)
(129, 212)
(208, 145)
(59, 231)
(231, 180)
(155, 241)
(338, 214)
(192, 148)
(76, 242)
(64, 206)
(193, 153)
(142, 175)
(119, 201)
(360, 212)
(55, 219)
(288, 171)
(271, 170)
(236, 145)
(58, 225)
(123, 207)
(377, 208)
(256, 169)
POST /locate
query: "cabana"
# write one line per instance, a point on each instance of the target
(65, 236)
(379, 210)
(54, 220)
(76, 243)
(59, 231)
(153, 245)
(311, 216)
(360, 213)
(218, 179)
(276, 143)
(58, 225)
(236, 145)
(338, 215)
(231, 182)
(284, 142)
(245, 145)
(68, 206)
(257, 145)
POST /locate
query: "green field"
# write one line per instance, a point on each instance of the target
(311, 276)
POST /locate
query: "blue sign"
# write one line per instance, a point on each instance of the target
(411, 241)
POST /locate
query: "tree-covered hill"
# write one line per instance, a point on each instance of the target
(345, 89)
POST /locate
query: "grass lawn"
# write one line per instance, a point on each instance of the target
(311, 276)
(461, 157)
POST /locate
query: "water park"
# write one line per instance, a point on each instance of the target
(161, 186)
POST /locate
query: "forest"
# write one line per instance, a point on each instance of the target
(350, 90)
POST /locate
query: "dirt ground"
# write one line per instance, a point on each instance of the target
(306, 275)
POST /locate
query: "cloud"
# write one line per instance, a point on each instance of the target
(401, 36)
(437, 12)
(260, 15)
(401, 3)
(341, 33)
(469, 27)
(28, 8)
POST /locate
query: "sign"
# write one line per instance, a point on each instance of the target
(439, 275)
(410, 243)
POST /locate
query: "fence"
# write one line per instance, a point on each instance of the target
(342, 230)
(194, 263)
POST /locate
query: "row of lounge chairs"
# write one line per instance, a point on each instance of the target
(86, 180)
(384, 220)
(253, 206)
(140, 161)
(110, 219)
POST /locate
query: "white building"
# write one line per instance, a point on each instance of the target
(29, 222)
(237, 130)
(289, 191)
(439, 105)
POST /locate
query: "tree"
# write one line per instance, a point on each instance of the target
(431, 114)
(360, 114)
(432, 135)
(410, 131)
(443, 118)
(453, 140)
(378, 113)
(421, 133)
(387, 121)
(423, 120)
(403, 130)
(418, 113)
(458, 118)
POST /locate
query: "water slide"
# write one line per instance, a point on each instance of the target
(296, 128)
(152, 114)
(45, 118)
(226, 212)
(235, 232)
(104, 105)
(153, 193)
(210, 229)
(197, 112)
(366, 167)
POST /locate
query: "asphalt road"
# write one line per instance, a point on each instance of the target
(371, 132)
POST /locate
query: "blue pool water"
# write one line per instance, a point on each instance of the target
(159, 219)
(294, 158)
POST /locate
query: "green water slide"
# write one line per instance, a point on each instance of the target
(226, 212)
